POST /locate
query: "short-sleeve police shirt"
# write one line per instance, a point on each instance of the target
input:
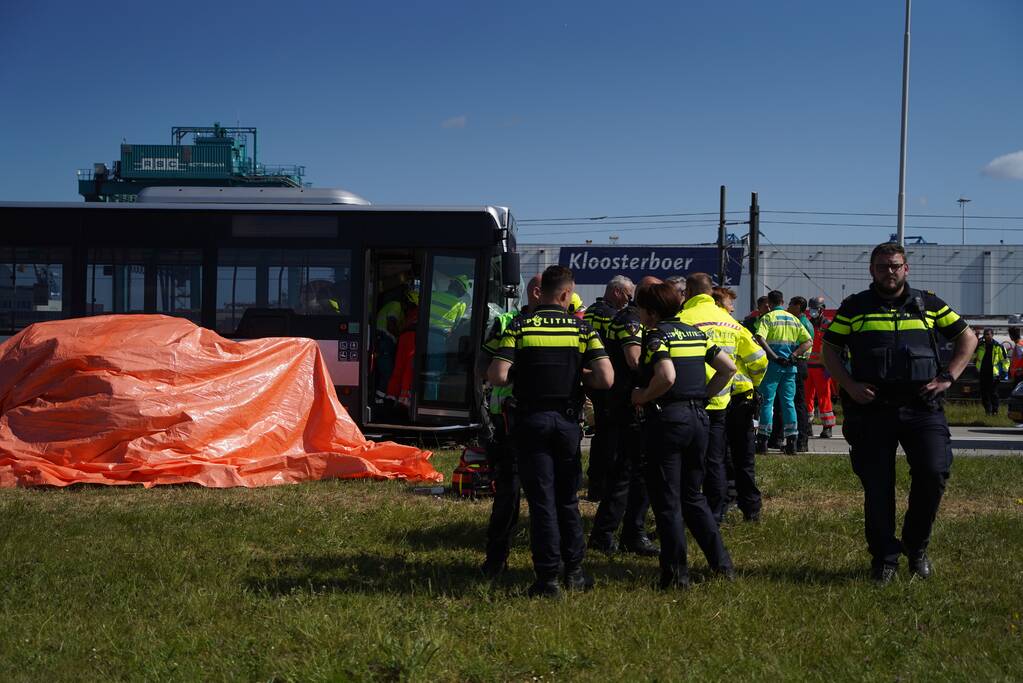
(688, 349)
(549, 349)
(887, 339)
(625, 330)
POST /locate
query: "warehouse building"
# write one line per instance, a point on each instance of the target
(977, 280)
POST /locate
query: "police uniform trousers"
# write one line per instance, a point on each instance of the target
(550, 469)
(602, 446)
(624, 499)
(504, 514)
(874, 431)
(742, 452)
(715, 477)
(675, 439)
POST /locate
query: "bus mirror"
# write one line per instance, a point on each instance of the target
(510, 269)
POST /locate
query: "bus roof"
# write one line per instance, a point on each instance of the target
(499, 213)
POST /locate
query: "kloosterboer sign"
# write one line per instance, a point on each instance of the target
(597, 265)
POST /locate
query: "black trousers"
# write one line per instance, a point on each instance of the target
(504, 513)
(602, 445)
(547, 444)
(742, 452)
(624, 499)
(715, 476)
(676, 443)
(989, 392)
(874, 432)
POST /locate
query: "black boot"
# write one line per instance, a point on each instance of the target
(545, 588)
(790, 445)
(640, 545)
(578, 580)
(761, 444)
(674, 576)
(826, 433)
(802, 445)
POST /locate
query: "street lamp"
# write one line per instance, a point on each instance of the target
(901, 221)
(963, 201)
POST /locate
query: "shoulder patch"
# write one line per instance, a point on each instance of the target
(633, 327)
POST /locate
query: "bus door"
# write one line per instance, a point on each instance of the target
(448, 339)
(392, 303)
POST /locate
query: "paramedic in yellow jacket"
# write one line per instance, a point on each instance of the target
(726, 333)
(447, 308)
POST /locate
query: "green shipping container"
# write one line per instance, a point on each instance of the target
(176, 161)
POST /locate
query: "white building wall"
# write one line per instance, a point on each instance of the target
(973, 279)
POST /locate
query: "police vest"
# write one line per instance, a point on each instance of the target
(549, 349)
(688, 349)
(599, 317)
(891, 342)
(625, 330)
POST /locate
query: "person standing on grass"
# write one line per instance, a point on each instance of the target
(784, 339)
(553, 353)
(992, 363)
(672, 393)
(504, 512)
(617, 295)
(891, 395)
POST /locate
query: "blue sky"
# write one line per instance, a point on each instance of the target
(568, 109)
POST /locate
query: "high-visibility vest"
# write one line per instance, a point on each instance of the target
(1016, 364)
(819, 328)
(701, 312)
(445, 311)
(999, 363)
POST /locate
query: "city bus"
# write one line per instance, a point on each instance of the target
(262, 262)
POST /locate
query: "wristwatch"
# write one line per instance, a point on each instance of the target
(945, 376)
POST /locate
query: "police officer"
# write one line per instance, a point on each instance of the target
(673, 391)
(617, 294)
(891, 395)
(552, 352)
(504, 513)
(701, 312)
(624, 500)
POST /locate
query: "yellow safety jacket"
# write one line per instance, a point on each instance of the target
(999, 361)
(445, 311)
(727, 334)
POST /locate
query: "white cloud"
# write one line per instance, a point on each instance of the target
(1008, 167)
(455, 122)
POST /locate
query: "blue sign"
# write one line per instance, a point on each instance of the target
(597, 265)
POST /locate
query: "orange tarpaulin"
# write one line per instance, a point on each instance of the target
(150, 399)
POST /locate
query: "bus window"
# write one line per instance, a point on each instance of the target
(165, 281)
(449, 329)
(305, 281)
(31, 285)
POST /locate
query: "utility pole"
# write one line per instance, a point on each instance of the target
(754, 249)
(963, 201)
(722, 242)
(901, 229)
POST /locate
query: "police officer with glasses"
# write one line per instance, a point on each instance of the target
(892, 394)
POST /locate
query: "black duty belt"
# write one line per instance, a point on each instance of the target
(658, 406)
(570, 410)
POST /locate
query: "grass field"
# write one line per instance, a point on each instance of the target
(367, 581)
